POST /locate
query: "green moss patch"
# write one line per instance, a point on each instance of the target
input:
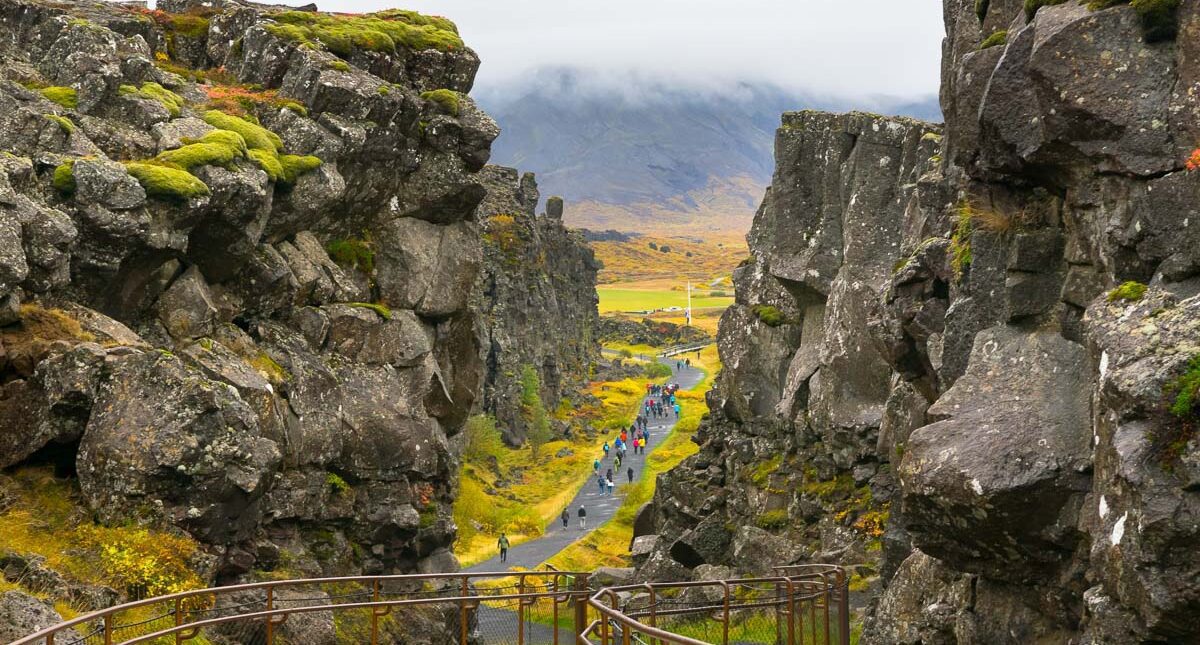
(769, 315)
(339, 65)
(354, 253)
(447, 100)
(772, 520)
(64, 177)
(1128, 292)
(256, 136)
(295, 165)
(384, 31)
(996, 39)
(64, 96)
(166, 182)
(383, 310)
(155, 92)
(66, 125)
(1186, 391)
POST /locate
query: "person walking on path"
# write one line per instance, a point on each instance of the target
(676, 410)
(630, 473)
(611, 486)
(596, 467)
(566, 518)
(608, 475)
(617, 462)
(503, 544)
(600, 482)
(582, 518)
(606, 450)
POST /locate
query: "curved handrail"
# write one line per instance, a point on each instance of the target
(46, 635)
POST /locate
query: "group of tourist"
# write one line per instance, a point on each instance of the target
(660, 400)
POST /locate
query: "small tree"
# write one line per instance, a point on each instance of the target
(482, 439)
(538, 420)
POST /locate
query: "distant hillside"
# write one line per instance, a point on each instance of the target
(625, 152)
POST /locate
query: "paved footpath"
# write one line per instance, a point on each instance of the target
(600, 508)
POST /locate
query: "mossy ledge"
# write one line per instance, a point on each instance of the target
(384, 31)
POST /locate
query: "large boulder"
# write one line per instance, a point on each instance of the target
(22, 615)
(996, 484)
(163, 438)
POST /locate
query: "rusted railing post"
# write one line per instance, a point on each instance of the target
(825, 589)
(791, 612)
(178, 619)
(270, 619)
(844, 608)
(374, 613)
(580, 600)
(108, 635)
(725, 614)
(554, 606)
(464, 619)
(521, 610)
(653, 611)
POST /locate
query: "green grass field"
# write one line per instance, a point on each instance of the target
(612, 299)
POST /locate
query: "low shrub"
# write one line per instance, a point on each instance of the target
(336, 484)
(1193, 162)
(1128, 292)
(448, 100)
(166, 182)
(481, 439)
(960, 241)
(67, 97)
(657, 370)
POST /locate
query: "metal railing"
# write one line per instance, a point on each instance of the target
(682, 349)
(797, 605)
(365, 609)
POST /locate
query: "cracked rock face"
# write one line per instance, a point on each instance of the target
(536, 297)
(217, 359)
(925, 377)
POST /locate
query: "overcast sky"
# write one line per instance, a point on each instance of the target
(840, 47)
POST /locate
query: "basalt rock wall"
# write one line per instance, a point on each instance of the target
(535, 299)
(253, 324)
(983, 386)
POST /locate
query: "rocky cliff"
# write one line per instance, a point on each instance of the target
(967, 361)
(236, 250)
(536, 300)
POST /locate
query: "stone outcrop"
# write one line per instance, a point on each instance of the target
(274, 351)
(964, 361)
(535, 300)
